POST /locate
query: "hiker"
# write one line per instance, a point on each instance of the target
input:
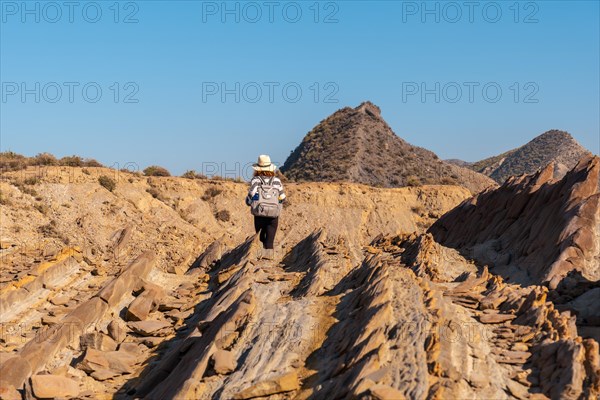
(265, 198)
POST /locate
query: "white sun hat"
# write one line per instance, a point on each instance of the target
(264, 164)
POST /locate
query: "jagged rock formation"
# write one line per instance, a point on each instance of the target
(360, 303)
(555, 146)
(533, 229)
(357, 145)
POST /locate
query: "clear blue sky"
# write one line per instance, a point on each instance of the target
(174, 56)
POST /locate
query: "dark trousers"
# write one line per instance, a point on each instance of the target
(267, 228)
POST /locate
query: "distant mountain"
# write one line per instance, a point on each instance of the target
(554, 146)
(357, 145)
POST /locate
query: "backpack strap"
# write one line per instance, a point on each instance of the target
(271, 181)
(262, 181)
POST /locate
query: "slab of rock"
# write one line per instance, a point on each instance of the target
(517, 390)
(8, 392)
(50, 320)
(151, 328)
(520, 347)
(281, 384)
(93, 360)
(131, 348)
(14, 371)
(98, 341)
(53, 386)
(495, 318)
(60, 300)
(103, 374)
(171, 303)
(89, 311)
(114, 291)
(140, 308)
(224, 362)
(119, 362)
(117, 330)
(385, 392)
(150, 341)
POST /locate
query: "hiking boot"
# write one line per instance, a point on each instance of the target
(268, 254)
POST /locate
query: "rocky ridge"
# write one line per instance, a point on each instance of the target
(554, 146)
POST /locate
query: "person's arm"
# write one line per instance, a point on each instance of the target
(252, 192)
(282, 195)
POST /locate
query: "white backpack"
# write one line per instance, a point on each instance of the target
(267, 204)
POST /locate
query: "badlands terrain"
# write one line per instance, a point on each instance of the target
(154, 289)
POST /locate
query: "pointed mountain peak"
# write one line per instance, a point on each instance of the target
(369, 108)
(357, 145)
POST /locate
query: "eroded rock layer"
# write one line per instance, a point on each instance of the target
(532, 229)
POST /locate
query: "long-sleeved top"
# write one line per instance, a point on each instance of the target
(255, 182)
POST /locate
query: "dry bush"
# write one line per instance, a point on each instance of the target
(27, 190)
(419, 210)
(10, 161)
(191, 174)
(44, 159)
(155, 170)
(107, 183)
(41, 208)
(90, 162)
(154, 193)
(223, 215)
(413, 181)
(33, 180)
(48, 230)
(71, 161)
(210, 193)
(4, 200)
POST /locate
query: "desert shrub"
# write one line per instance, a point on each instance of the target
(155, 170)
(418, 210)
(210, 193)
(27, 190)
(48, 229)
(4, 200)
(153, 192)
(447, 181)
(107, 183)
(223, 215)
(10, 161)
(90, 162)
(225, 178)
(413, 181)
(71, 161)
(191, 174)
(41, 208)
(157, 195)
(44, 159)
(33, 180)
